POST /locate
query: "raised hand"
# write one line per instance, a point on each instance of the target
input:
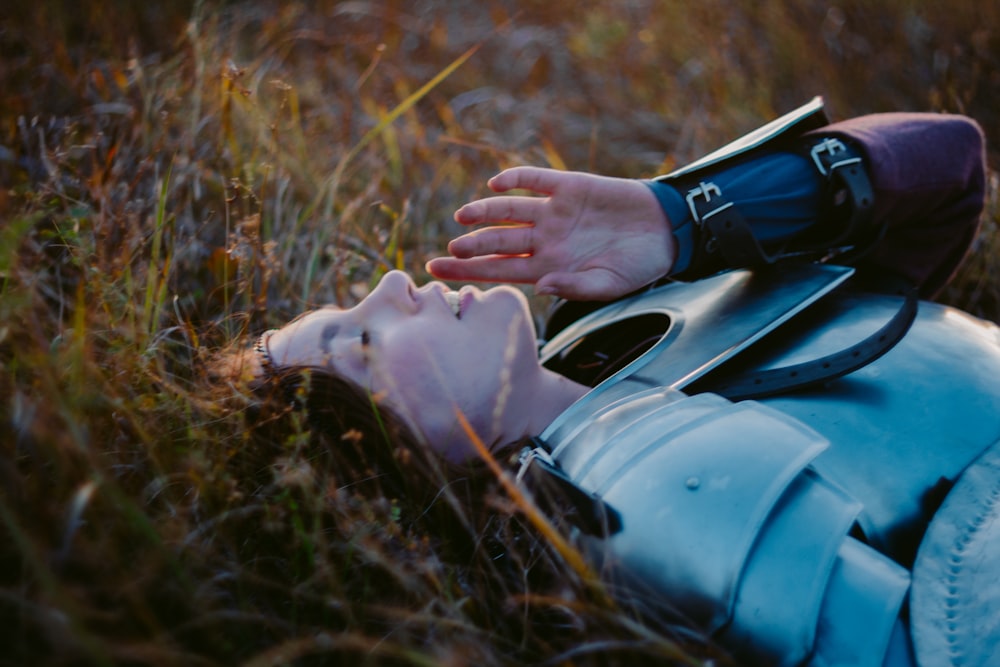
(589, 238)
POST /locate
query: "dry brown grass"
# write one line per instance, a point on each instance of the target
(175, 177)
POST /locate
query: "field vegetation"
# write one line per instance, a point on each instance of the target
(176, 177)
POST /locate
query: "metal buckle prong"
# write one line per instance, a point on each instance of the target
(527, 455)
(831, 146)
(706, 190)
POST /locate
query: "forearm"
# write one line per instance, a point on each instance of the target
(778, 193)
(927, 174)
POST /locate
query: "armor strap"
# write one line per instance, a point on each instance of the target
(758, 384)
(841, 166)
(851, 199)
(550, 485)
(723, 229)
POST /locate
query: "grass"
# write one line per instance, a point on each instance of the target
(178, 176)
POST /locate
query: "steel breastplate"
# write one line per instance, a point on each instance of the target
(705, 324)
(899, 431)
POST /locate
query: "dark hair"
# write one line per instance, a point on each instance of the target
(410, 527)
(349, 432)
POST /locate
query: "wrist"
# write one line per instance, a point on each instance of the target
(677, 217)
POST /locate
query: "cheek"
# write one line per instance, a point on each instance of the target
(404, 374)
(463, 367)
(417, 375)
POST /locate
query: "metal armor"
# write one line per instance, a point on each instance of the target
(788, 526)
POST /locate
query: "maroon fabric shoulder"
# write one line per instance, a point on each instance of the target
(929, 176)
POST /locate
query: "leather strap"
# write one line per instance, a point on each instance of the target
(848, 187)
(540, 474)
(758, 384)
(723, 229)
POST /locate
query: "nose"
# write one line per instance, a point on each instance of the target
(394, 291)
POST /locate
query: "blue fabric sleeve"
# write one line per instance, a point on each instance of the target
(778, 194)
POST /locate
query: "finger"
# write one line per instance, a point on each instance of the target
(592, 285)
(500, 209)
(494, 241)
(491, 269)
(536, 179)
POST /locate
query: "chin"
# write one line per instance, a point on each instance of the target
(503, 291)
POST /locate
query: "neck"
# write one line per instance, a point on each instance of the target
(528, 408)
(549, 396)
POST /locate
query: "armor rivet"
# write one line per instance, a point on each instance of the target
(693, 483)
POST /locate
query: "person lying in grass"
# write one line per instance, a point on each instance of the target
(443, 370)
(426, 353)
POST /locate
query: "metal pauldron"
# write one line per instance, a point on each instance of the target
(722, 515)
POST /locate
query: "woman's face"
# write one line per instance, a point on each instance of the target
(426, 353)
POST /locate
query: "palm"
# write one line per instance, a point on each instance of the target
(590, 237)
